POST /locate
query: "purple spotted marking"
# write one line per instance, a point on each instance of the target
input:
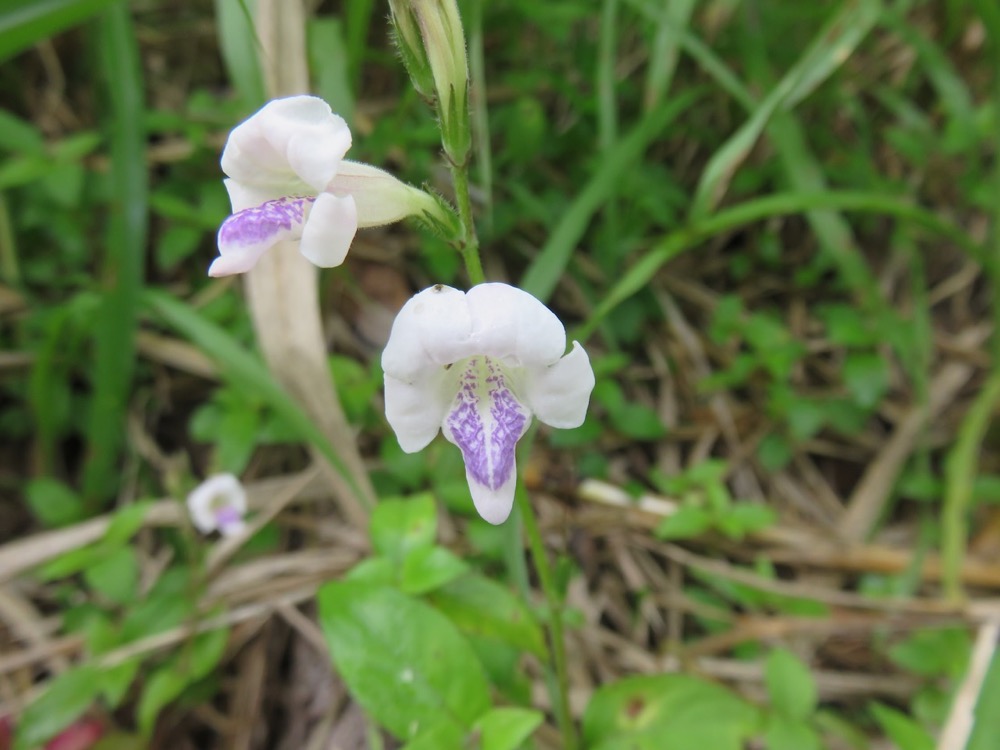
(489, 459)
(227, 515)
(259, 224)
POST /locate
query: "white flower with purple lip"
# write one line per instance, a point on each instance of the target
(477, 366)
(218, 504)
(289, 181)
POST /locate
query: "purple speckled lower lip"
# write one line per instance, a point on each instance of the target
(227, 516)
(487, 445)
(253, 226)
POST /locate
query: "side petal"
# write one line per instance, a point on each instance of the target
(247, 234)
(430, 331)
(415, 410)
(381, 198)
(485, 420)
(510, 324)
(560, 394)
(329, 230)
(297, 138)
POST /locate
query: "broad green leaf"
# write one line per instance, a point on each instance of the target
(866, 375)
(901, 729)
(53, 503)
(428, 568)
(689, 521)
(62, 703)
(787, 733)
(399, 526)
(161, 689)
(404, 661)
(506, 728)
(790, 685)
(115, 576)
(26, 22)
(443, 734)
(483, 607)
(935, 652)
(667, 712)
(115, 681)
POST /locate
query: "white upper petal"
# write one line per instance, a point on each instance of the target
(329, 230)
(512, 325)
(381, 198)
(560, 393)
(418, 340)
(220, 490)
(289, 144)
(441, 325)
(243, 196)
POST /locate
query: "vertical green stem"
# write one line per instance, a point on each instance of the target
(557, 636)
(469, 242)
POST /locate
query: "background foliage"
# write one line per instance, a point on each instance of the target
(774, 226)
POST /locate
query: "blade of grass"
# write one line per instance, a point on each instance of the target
(672, 18)
(960, 473)
(114, 337)
(25, 22)
(781, 204)
(543, 274)
(834, 44)
(239, 46)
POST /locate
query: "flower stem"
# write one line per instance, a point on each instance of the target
(468, 244)
(557, 636)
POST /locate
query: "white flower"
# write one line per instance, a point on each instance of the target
(477, 366)
(218, 503)
(288, 180)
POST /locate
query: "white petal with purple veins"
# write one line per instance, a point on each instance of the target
(329, 231)
(247, 234)
(485, 421)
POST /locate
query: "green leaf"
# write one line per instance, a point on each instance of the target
(790, 685)
(399, 526)
(428, 568)
(442, 734)
(53, 503)
(937, 652)
(161, 689)
(506, 728)
(744, 518)
(481, 606)
(689, 521)
(901, 729)
(667, 712)
(239, 46)
(115, 576)
(115, 681)
(403, 660)
(866, 375)
(787, 733)
(987, 714)
(26, 22)
(62, 703)
(122, 266)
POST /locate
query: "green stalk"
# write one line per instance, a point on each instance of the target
(468, 244)
(557, 635)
